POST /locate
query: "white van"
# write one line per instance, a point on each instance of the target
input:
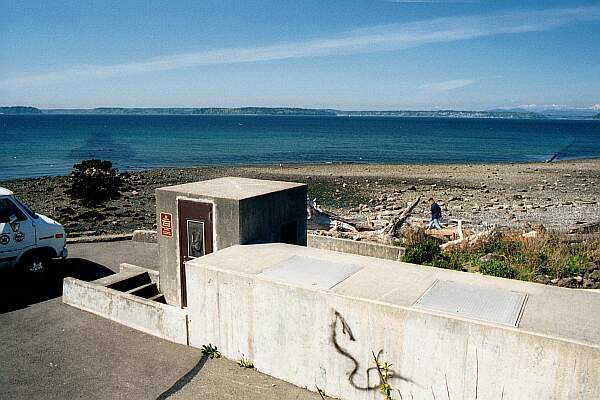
(27, 240)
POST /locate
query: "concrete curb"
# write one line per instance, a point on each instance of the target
(144, 236)
(101, 238)
(376, 250)
(157, 319)
(368, 249)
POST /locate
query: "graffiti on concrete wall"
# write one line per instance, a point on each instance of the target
(346, 334)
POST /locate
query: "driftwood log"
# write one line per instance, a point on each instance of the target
(319, 219)
(329, 224)
(578, 237)
(472, 241)
(393, 228)
(586, 228)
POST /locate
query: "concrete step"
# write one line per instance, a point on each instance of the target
(146, 291)
(160, 298)
(131, 282)
(110, 279)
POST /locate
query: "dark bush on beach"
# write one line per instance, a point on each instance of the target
(94, 181)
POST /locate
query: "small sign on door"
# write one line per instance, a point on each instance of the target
(195, 231)
(166, 224)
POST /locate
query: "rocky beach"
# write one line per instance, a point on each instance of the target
(557, 195)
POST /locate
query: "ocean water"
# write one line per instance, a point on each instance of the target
(38, 145)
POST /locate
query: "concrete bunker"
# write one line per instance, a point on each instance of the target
(235, 272)
(199, 218)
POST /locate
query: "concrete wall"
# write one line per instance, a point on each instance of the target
(261, 217)
(154, 318)
(393, 253)
(168, 248)
(320, 338)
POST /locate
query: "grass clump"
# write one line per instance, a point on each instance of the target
(245, 362)
(498, 268)
(514, 257)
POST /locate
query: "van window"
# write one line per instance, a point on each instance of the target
(8, 208)
(28, 210)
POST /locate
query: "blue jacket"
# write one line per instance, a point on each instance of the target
(436, 211)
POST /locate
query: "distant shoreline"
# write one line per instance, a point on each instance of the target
(292, 111)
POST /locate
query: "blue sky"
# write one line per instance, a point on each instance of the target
(325, 54)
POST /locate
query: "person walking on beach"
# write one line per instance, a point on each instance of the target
(436, 215)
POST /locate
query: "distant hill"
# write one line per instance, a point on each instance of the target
(506, 114)
(18, 110)
(446, 114)
(195, 111)
(514, 113)
(516, 109)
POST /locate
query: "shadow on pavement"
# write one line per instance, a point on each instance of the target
(184, 380)
(19, 290)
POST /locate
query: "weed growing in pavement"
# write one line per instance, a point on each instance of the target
(383, 370)
(210, 351)
(245, 363)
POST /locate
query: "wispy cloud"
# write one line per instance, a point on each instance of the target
(429, 1)
(447, 85)
(373, 39)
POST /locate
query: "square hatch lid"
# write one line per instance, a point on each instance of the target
(310, 272)
(482, 303)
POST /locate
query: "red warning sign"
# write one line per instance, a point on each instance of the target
(166, 224)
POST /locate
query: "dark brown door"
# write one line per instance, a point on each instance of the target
(195, 235)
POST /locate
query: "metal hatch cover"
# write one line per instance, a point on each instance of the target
(482, 303)
(310, 272)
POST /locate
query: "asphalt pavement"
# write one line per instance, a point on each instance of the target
(53, 351)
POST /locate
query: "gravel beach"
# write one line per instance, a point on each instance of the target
(557, 195)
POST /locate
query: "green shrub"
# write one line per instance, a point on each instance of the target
(498, 268)
(424, 252)
(94, 182)
(460, 260)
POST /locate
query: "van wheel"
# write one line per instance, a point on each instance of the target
(35, 264)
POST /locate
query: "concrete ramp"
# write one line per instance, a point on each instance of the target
(131, 298)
